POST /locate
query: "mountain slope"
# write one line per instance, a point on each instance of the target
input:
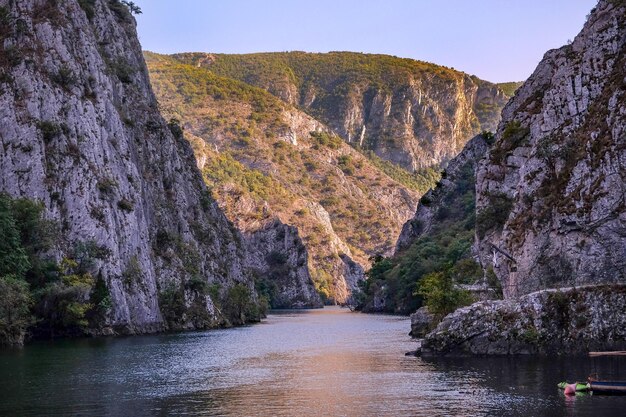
(510, 88)
(412, 113)
(81, 132)
(266, 160)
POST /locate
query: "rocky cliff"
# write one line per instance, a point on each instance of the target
(412, 113)
(550, 196)
(81, 132)
(278, 258)
(551, 216)
(267, 161)
(274, 251)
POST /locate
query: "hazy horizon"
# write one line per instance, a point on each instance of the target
(494, 40)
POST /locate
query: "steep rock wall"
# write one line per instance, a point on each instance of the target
(280, 260)
(423, 220)
(551, 194)
(549, 322)
(80, 131)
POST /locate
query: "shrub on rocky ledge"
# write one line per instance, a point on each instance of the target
(323, 139)
(126, 205)
(15, 305)
(172, 304)
(494, 215)
(441, 294)
(241, 307)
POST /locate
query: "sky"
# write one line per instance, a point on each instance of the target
(497, 40)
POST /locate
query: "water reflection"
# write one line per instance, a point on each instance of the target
(323, 363)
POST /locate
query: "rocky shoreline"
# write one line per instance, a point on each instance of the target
(569, 321)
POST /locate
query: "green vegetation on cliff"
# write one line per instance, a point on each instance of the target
(440, 291)
(301, 67)
(191, 86)
(420, 181)
(412, 113)
(510, 88)
(38, 294)
(435, 262)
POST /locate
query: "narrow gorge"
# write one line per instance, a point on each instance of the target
(271, 156)
(191, 226)
(290, 180)
(242, 198)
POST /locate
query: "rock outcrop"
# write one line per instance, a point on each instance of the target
(568, 322)
(279, 259)
(438, 239)
(551, 195)
(412, 113)
(421, 322)
(81, 132)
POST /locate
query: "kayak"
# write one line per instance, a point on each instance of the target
(596, 387)
(579, 386)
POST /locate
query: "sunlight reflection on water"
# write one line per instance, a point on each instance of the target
(324, 362)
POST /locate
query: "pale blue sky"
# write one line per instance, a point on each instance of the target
(497, 40)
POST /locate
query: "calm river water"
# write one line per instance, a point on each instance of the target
(296, 363)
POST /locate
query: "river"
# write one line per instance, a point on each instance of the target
(328, 362)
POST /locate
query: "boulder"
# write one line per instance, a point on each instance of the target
(422, 322)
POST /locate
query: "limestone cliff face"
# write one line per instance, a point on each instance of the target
(80, 131)
(422, 123)
(412, 113)
(438, 238)
(291, 244)
(278, 257)
(551, 194)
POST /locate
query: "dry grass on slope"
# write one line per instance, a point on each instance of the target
(261, 160)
